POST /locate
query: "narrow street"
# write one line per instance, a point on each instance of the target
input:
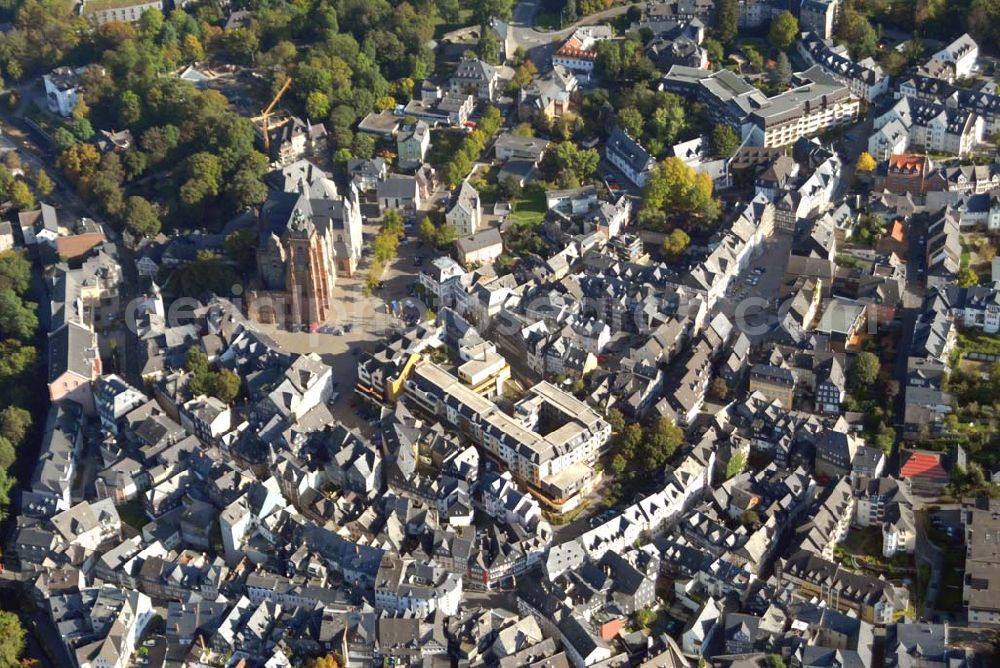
(927, 552)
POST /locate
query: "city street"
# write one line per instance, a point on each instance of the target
(757, 317)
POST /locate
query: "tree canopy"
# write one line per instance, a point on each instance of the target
(675, 188)
(784, 31)
(865, 371)
(725, 141)
(140, 217)
(15, 271)
(866, 163)
(11, 631)
(17, 318)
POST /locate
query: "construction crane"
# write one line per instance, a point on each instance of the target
(268, 111)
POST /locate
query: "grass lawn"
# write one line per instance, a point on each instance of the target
(735, 465)
(444, 144)
(133, 514)
(547, 20)
(464, 19)
(861, 541)
(530, 209)
(978, 342)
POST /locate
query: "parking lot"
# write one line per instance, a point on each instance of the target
(753, 300)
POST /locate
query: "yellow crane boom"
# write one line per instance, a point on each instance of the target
(268, 111)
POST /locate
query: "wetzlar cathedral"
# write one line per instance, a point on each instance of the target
(307, 234)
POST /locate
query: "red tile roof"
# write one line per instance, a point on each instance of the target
(906, 162)
(573, 48)
(924, 465)
(897, 230)
(78, 245)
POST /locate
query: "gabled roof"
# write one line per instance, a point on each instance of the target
(72, 348)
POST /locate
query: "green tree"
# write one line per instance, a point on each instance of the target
(245, 189)
(865, 371)
(21, 196)
(446, 236)
(426, 231)
(140, 217)
(725, 141)
(644, 617)
(43, 183)
(661, 443)
(983, 21)
(450, 10)
(14, 424)
(784, 29)
(151, 23)
(160, 142)
(15, 360)
(63, 139)
(317, 105)
(204, 172)
(676, 243)
(484, 10)
(783, 71)
(363, 146)
(129, 109)
(855, 31)
(15, 271)
(12, 643)
(456, 169)
(617, 420)
(226, 386)
(715, 52)
(726, 22)
(630, 120)
(489, 47)
(668, 119)
(207, 274)
(8, 455)
(195, 361)
(80, 128)
(17, 318)
(753, 56)
(630, 439)
(582, 163)
(967, 277)
(11, 631)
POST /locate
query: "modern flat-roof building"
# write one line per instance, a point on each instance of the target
(550, 441)
(817, 105)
